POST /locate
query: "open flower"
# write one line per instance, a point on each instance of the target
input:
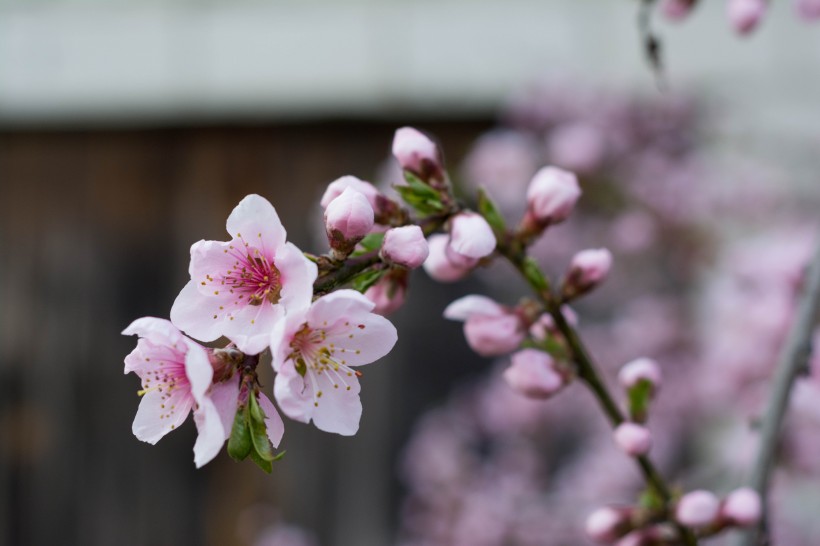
(315, 352)
(242, 287)
(176, 378)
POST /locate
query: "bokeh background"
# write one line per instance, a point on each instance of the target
(129, 129)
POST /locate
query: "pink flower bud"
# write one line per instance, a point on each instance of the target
(490, 329)
(697, 508)
(471, 236)
(348, 218)
(606, 524)
(676, 10)
(633, 439)
(405, 246)
(389, 293)
(438, 265)
(808, 10)
(417, 153)
(745, 15)
(641, 369)
(587, 270)
(552, 194)
(335, 189)
(532, 373)
(742, 507)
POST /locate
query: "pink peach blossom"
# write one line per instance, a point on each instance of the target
(416, 152)
(471, 236)
(491, 329)
(808, 10)
(176, 378)
(676, 10)
(588, 269)
(389, 293)
(335, 189)
(438, 264)
(242, 287)
(606, 524)
(640, 369)
(533, 374)
(552, 194)
(633, 439)
(697, 508)
(405, 246)
(348, 218)
(742, 507)
(315, 351)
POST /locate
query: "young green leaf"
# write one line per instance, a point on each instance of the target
(239, 444)
(366, 279)
(490, 213)
(259, 430)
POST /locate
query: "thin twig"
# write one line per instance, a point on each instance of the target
(793, 362)
(588, 373)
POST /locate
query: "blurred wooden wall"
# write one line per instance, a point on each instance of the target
(95, 228)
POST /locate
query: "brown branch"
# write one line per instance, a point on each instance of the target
(794, 360)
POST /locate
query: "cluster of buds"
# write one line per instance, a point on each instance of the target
(701, 511)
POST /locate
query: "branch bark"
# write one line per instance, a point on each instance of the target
(794, 360)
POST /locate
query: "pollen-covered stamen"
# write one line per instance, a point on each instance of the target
(167, 378)
(252, 277)
(315, 356)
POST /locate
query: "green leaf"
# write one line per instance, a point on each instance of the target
(372, 241)
(264, 464)
(651, 500)
(534, 276)
(420, 196)
(258, 430)
(639, 397)
(279, 455)
(490, 213)
(366, 279)
(239, 444)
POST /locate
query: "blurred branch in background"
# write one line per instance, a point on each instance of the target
(794, 361)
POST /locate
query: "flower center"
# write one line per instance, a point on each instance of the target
(314, 356)
(167, 378)
(253, 275)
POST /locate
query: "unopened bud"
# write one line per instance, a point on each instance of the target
(551, 196)
(348, 218)
(697, 508)
(405, 246)
(335, 189)
(742, 507)
(745, 15)
(438, 265)
(677, 10)
(633, 439)
(417, 153)
(533, 374)
(389, 293)
(606, 524)
(641, 369)
(471, 236)
(587, 270)
(491, 329)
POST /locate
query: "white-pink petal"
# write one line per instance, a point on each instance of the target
(255, 220)
(273, 421)
(474, 304)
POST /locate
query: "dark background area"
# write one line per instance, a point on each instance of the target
(96, 226)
